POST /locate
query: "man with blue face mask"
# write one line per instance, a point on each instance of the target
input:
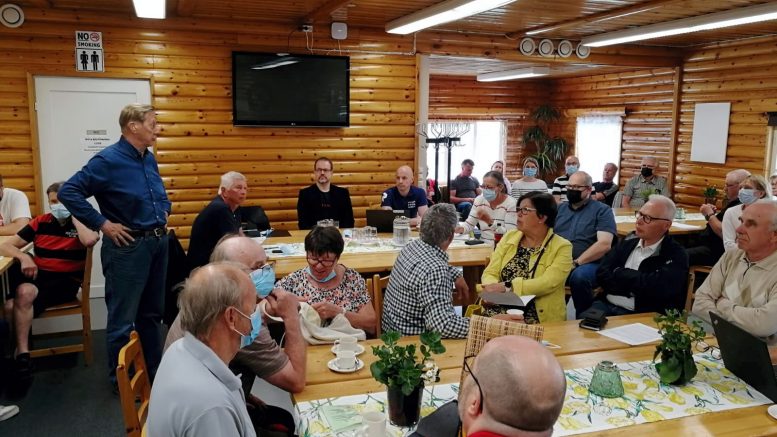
(195, 392)
(284, 368)
(571, 165)
(52, 276)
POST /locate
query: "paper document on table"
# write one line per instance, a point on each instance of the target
(633, 334)
(341, 417)
(685, 226)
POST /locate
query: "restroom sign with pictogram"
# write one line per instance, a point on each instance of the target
(89, 51)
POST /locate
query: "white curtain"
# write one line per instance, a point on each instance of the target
(597, 142)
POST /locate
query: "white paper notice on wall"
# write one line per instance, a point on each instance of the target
(710, 132)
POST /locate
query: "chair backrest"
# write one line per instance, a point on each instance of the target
(482, 329)
(691, 293)
(135, 392)
(378, 285)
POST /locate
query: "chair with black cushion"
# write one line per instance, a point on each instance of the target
(255, 218)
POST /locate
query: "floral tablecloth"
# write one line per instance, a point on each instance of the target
(312, 420)
(646, 400)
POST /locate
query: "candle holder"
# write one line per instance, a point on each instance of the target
(606, 381)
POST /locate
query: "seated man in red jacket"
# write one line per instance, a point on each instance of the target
(645, 274)
(52, 276)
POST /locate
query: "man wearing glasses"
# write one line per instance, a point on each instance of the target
(514, 386)
(590, 226)
(645, 274)
(324, 200)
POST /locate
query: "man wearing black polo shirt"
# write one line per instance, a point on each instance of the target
(405, 196)
(221, 217)
(52, 276)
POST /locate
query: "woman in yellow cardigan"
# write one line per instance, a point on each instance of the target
(533, 260)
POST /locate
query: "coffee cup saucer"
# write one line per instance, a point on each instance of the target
(332, 364)
(358, 351)
(772, 410)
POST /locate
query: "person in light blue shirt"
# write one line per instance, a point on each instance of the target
(124, 179)
(590, 226)
(405, 196)
(196, 394)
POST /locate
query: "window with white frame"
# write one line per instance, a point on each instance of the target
(597, 142)
(484, 143)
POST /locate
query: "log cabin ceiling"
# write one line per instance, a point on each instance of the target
(567, 19)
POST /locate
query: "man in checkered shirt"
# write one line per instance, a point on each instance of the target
(419, 293)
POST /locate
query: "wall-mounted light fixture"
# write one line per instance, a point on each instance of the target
(521, 73)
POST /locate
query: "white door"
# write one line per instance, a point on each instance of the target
(78, 117)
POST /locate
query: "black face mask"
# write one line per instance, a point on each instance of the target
(646, 172)
(574, 196)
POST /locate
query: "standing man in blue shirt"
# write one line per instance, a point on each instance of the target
(124, 179)
(406, 196)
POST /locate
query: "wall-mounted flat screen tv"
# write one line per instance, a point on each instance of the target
(290, 90)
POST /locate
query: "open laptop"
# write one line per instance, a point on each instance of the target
(383, 219)
(746, 356)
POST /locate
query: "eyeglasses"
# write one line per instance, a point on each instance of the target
(578, 187)
(323, 170)
(525, 210)
(468, 369)
(323, 262)
(714, 351)
(647, 218)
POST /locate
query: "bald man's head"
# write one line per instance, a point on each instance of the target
(404, 179)
(523, 388)
(241, 250)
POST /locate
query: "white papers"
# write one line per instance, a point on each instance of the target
(633, 334)
(685, 226)
(526, 298)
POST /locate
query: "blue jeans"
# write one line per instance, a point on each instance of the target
(582, 282)
(610, 309)
(134, 294)
(463, 209)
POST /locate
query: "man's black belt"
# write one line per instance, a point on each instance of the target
(156, 232)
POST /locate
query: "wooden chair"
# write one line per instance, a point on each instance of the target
(483, 329)
(78, 306)
(378, 285)
(134, 391)
(691, 294)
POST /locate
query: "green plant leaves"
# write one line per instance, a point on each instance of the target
(399, 366)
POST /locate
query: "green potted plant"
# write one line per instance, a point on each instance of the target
(646, 193)
(710, 194)
(404, 373)
(677, 365)
(549, 150)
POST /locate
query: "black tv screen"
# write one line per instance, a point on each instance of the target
(289, 90)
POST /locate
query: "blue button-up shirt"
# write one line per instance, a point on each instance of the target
(127, 187)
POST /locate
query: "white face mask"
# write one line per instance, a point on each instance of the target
(59, 211)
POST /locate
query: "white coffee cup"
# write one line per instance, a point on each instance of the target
(346, 360)
(346, 343)
(514, 312)
(373, 425)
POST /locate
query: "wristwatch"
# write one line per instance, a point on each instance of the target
(707, 216)
(575, 263)
(508, 285)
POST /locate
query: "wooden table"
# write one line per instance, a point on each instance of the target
(471, 258)
(752, 421)
(568, 335)
(627, 228)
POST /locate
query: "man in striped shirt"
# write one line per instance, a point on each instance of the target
(52, 276)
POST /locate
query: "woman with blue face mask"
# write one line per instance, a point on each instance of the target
(530, 180)
(331, 288)
(752, 189)
(492, 208)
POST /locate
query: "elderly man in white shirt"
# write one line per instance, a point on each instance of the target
(645, 274)
(195, 393)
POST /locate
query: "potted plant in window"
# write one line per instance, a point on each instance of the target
(404, 373)
(710, 194)
(677, 365)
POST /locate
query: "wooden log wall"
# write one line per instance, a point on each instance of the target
(647, 96)
(742, 73)
(189, 63)
(463, 97)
